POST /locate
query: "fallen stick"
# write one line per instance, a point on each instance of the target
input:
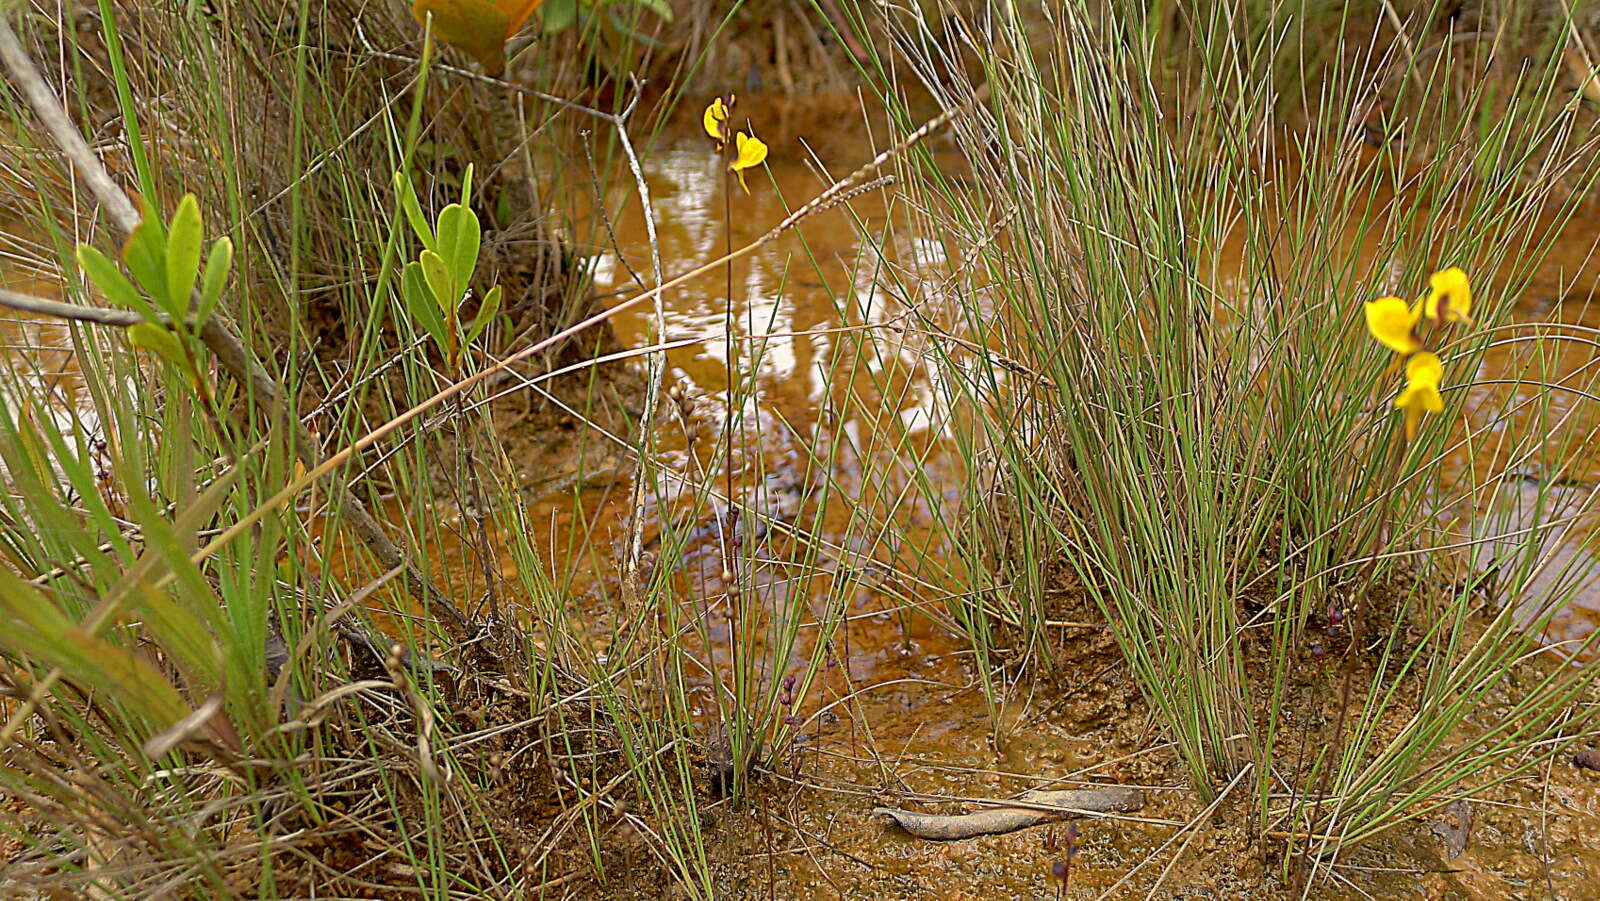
(1042, 807)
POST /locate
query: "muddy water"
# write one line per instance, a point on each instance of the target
(44, 361)
(1551, 486)
(817, 415)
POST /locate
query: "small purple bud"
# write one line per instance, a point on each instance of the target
(1335, 614)
(1058, 869)
(1333, 630)
(791, 720)
(1317, 652)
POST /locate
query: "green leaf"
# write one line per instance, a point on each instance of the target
(129, 677)
(486, 313)
(186, 621)
(468, 243)
(185, 235)
(625, 30)
(466, 187)
(145, 253)
(460, 236)
(158, 340)
(108, 280)
(72, 457)
(421, 303)
(28, 609)
(217, 265)
(450, 225)
(660, 7)
(502, 209)
(437, 274)
(36, 627)
(180, 633)
(413, 212)
(558, 15)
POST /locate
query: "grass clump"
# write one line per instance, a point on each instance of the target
(1158, 283)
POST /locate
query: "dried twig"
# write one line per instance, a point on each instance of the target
(395, 664)
(1032, 809)
(39, 306)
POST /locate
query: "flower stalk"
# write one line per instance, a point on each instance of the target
(746, 152)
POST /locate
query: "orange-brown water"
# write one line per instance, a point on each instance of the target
(1528, 461)
(829, 436)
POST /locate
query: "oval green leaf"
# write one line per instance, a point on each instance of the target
(158, 341)
(185, 235)
(109, 281)
(218, 264)
(437, 274)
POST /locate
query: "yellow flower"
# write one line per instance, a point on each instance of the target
(1394, 323)
(1450, 289)
(716, 121)
(752, 152)
(1421, 394)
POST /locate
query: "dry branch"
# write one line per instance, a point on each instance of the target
(1033, 809)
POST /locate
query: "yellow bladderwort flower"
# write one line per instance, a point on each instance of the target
(1421, 394)
(751, 152)
(1394, 323)
(1449, 296)
(716, 121)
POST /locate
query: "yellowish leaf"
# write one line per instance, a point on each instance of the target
(517, 13)
(157, 340)
(479, 28)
